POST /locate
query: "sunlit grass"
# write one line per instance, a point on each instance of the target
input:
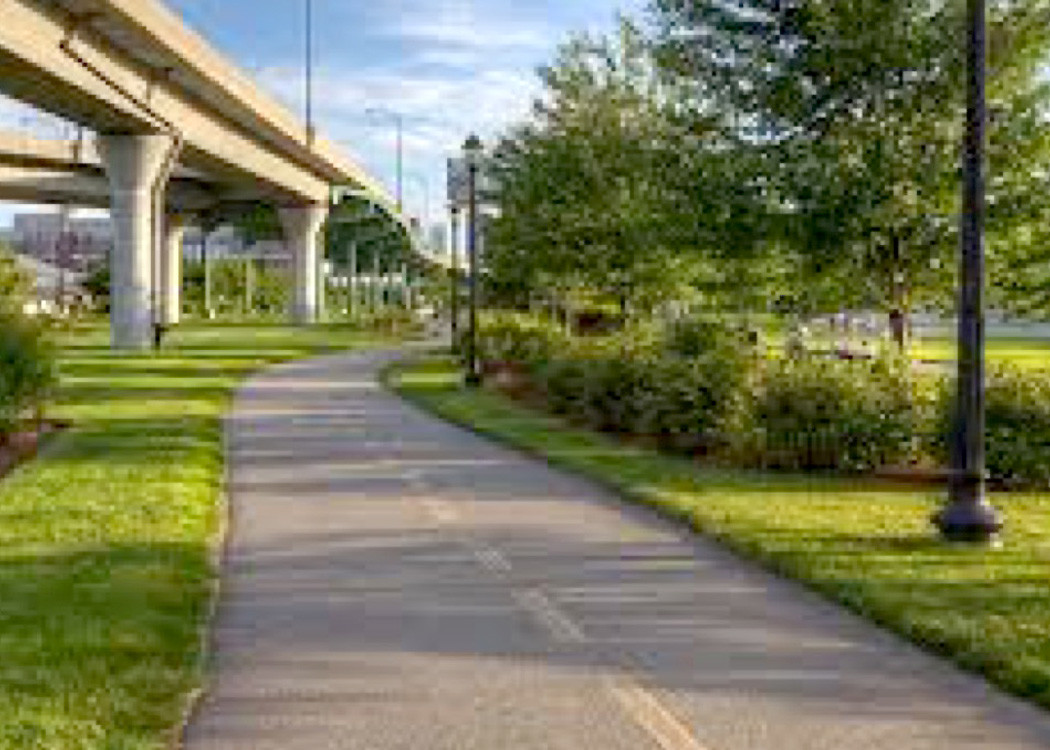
(868, 545)
(105, 568)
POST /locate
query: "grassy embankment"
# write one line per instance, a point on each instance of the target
(105, 540)
(865, 544)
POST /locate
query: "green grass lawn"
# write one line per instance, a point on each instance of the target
(1024, 352)
(868, 545)
(106, 574)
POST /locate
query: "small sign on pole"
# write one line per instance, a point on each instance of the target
(457, 181)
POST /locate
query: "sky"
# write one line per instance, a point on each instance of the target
(448, 67)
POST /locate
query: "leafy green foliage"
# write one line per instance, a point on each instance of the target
(1017, 425)
(16, 285)
(851, 113)
(230, 279)
(623, 383)
(818, 413)
(27, 362)
(27, 369)
(589, 189)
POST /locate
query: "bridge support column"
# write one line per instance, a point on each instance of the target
(302, 228)
(171, 269)
(137, 167)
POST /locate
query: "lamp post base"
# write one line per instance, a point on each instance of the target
(968, 516)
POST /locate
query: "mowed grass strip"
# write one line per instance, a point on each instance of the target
(105, 539)
(867, 544)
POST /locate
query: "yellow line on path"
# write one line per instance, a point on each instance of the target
(647, 710)
(439, 510)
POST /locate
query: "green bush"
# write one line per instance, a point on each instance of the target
(693, 337)
(622, 383)
(1017, 425)
(27, 369)
(506, 337)
(818, 413)
(708, 387)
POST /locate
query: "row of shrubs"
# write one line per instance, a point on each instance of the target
(27, 370)
(705, 387)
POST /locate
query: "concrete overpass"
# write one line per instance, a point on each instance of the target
(180, 130)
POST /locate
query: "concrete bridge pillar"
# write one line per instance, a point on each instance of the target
(137, 167)
(302, 228)
(171, 268)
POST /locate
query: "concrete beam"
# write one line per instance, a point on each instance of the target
(48, 60)
(234, 94)
(89, 189)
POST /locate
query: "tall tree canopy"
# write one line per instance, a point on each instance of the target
(856, 107)
(587, 188)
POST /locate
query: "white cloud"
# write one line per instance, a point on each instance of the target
(438, 112)
(472, 34)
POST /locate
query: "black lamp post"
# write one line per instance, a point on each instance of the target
(454, 289)
(472, 152)
(968, 516)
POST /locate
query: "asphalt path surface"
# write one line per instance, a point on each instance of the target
(392, 582)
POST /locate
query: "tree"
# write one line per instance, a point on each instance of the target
(856, 108)
(16, 285)
(583, 187)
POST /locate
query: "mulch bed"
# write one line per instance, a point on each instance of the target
(23, 444)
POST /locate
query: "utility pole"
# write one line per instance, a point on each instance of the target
(207, 272)
(351, 284)
(309, 72)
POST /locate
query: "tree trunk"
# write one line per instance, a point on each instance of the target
(898, 315)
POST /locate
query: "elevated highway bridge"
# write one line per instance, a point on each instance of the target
(177, 131)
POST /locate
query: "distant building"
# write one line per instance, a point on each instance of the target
(88, 241)
(55, 288)
(85, 243)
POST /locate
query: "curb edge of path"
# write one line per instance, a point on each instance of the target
(218, 546)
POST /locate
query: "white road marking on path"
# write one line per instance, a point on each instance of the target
(558, 624)
(492, 559)
(650, 714)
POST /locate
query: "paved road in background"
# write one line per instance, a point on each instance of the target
(396, 583)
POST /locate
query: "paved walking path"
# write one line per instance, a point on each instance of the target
(395, 583)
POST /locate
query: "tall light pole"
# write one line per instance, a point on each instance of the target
(968, 516)
(454, 291)
(423, 182)
(399, 122)
(309, 72)
(472, 152)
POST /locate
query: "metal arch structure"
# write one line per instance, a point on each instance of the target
(378, 200)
